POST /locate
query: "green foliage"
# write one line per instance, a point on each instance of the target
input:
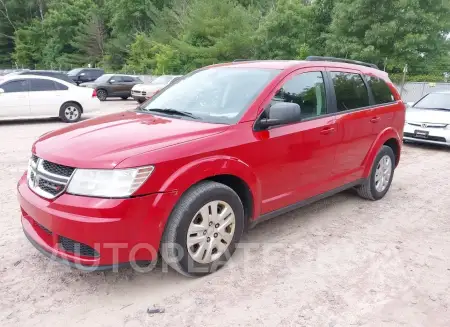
(177, 36)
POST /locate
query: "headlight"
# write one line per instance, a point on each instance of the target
(111, 183)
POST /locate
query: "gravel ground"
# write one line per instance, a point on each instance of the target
(340, 262)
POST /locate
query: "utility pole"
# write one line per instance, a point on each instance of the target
(405, 71)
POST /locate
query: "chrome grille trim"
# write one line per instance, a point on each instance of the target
(428, 125)
(37, 172)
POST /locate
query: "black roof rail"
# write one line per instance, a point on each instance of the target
(347, 61)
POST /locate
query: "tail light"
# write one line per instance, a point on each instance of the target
(94, 93)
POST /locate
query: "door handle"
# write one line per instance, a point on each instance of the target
(375, 119)
(327, 130)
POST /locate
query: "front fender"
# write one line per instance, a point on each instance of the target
(385, 135)
(193, 172)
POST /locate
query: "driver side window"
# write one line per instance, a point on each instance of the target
(308, 91)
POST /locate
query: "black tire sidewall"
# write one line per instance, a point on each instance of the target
(189, 265)
(101, 91)
(385, 150)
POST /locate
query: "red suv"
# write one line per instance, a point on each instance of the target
(220, 150)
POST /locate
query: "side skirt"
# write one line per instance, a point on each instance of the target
(303, 203)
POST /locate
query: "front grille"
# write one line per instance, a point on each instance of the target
(428, 138)
(48, 179)
(428, 125)
(57, 169)
(77, 248)
(46, 230)
(50, 187)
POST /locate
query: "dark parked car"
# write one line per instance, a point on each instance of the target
(48, 73)
(83, 75)
(113, 85)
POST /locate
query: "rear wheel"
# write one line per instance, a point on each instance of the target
(124, 98)
(102, 95)
(377, 185)
(70, 112)
(203, 229)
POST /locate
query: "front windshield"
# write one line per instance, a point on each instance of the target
(74, 72)
(217, 95)
(165, 79)
(435, 101)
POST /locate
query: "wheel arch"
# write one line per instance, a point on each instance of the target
(388, 137)
(72, 101)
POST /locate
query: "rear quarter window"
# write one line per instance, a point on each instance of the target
(380, 90)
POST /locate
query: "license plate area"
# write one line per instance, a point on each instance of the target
(421, 134)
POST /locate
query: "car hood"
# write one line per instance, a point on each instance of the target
(428, 116)
(148, 87)
(106, 141)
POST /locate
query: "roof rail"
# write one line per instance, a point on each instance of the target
(348, 61)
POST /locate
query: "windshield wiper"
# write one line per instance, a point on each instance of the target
(170, 111)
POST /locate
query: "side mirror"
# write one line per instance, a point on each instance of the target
(281, 113)
(2, 91)
(112, 81)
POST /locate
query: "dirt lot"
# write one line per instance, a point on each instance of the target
(340, 262)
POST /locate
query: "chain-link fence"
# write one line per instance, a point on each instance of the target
(413, 92)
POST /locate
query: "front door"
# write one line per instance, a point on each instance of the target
(298, 158)
(14, 101)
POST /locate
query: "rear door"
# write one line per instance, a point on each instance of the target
(45, 97)
(14, 102)
(354, 119)
(118, 86)
(129, 82)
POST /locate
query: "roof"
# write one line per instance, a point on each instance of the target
(16, 77)
(295, 64)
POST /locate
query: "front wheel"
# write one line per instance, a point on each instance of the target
(70, 112)
(203, 229)
(378, 183)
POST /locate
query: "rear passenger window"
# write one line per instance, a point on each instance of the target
(61, 87)
(308, 91)
(381, 91)
(351, 92)
(38, 85)
(128, 79)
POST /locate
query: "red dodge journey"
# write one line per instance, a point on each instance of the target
(225, 147)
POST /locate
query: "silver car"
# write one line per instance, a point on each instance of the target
(428, 120)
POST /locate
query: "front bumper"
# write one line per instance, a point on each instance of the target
(139, 98)
(94, 233)
(440, 136)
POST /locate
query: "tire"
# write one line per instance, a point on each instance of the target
(70, 112)
(124, 98)
(186, 217)
(141, 101)
(102, 94)
(373, 188)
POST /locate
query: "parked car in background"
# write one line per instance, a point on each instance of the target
(428, 120)
(188, 171)
(49, 73)
(83, 75)
(143, 92)
(31, 96)
(113, 85)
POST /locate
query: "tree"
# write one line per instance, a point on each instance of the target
(285, 32)
(410, 32)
